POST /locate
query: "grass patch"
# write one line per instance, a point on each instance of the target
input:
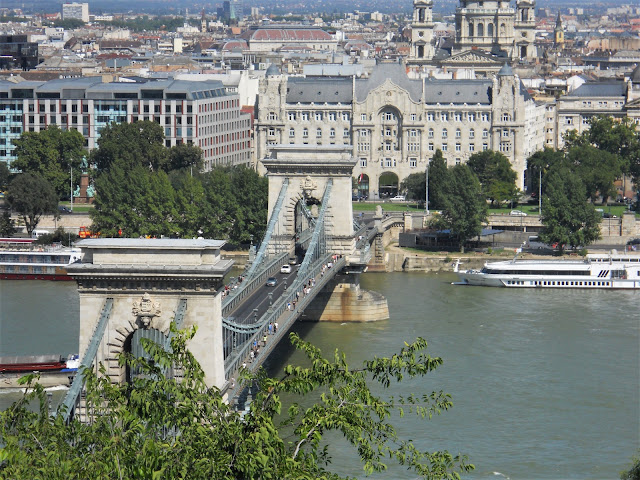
(80, 208)
(386, 206)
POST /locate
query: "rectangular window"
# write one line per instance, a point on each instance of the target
(485, 147)
(272, 132)
(305, 116)
(364, 133)
(413, 162)
(444, 116)
(471, 117)
(431, 147)
(345, 116)
(167, 131)
(458, 147)
(363, 162)
(332, 116)
(292, 116)
(413, 117)
(458, 161)
(505, 133)
(457, 117)
(445, 147)
(485, 117)
(430, 117)
(318, 116)
(388, 162)
(363, 117)
(472, 147)
(345, 133)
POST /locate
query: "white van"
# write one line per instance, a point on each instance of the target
(38, 233)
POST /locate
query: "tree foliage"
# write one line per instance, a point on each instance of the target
(415, 183)
(7, 226)
(464, 208)
(598, 170)
(50, 153)
(567, 216)
(5, 175)
(138, 143)
(495, 174)
(159, 427)
(31, 196)
(634, 471)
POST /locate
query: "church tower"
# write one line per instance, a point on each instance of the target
(525, 30)
(422, 49)
(558, 32)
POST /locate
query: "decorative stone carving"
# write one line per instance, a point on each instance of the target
(308, 186)
(146, 310)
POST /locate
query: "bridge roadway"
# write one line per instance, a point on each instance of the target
(276, 312)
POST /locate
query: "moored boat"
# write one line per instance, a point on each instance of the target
(608, 271)
(42, 264)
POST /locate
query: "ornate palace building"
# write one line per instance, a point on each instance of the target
(395, 124)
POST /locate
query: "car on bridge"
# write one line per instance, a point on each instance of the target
(399, 198)
(285, 269)
(517, 213)
(271, 282)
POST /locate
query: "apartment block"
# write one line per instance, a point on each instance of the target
(198, 112)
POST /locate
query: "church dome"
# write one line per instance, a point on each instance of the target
(505, 71)
(272, 70)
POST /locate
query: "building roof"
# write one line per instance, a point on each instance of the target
(284, 34)
(458, 91)
(150, 243)
(505, 71)
(319, 90)
(272, 70)
(600, 89)
(635, 75)
(394, 72)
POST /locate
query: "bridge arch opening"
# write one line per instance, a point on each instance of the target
(133, 345)
(388, 185)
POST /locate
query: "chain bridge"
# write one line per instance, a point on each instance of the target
(132, 289)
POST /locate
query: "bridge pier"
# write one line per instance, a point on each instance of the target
(343, 300)
(150, 283)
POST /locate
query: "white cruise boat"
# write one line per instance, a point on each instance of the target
(611, 270)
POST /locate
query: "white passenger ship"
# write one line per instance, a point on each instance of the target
(595, 271)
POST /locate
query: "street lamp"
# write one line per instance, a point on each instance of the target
(540, 193)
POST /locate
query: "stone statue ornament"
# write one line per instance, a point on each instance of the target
(308, 186)
(146, 310)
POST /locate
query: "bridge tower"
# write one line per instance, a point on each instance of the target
(140, 286)
(308, 170)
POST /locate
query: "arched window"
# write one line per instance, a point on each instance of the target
(445, 134)
(490, 30)
(292, 132)
(481, 29)
(431, 133)
(318, 132)
(470, 29)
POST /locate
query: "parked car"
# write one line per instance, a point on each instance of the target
(399, 198)
(634, 241)
(285, 269)
(271, 282)
(517, 213)
(64, 209)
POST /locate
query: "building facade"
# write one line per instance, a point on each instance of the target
(395, 124)
(78, 11)
(492, 26)
(198, 112)
(17, 53)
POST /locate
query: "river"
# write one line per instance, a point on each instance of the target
(545, 383)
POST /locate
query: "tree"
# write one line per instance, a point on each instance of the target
(138, 143)
(5, 175)
(32, 196)
(50, 153)
(7, 226)
(60, 235)
(414, 186)
(634, 472)
(185, 156)
(567, 216)
(135, 200)
(496, 176)
(160, 427)
(539, 163)
(598, 170)
(253, 202)
(464, 209)
(437, 180)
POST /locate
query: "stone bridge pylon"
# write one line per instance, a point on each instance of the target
(308, 170)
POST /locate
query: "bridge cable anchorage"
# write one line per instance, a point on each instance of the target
(273, 220)
(318, 244)
(72, 398)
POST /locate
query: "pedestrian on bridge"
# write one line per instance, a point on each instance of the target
(275, 327)
(270, 328)
(264, 341)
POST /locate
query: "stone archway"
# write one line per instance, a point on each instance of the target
(388, 185)
(307, 169)
(362, 187)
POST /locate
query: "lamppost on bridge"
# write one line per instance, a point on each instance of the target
(270, 298)
(255, 314)
(285, 284)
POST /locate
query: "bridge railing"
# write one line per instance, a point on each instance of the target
(72, 399)
(247, 287)
(279, 307)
